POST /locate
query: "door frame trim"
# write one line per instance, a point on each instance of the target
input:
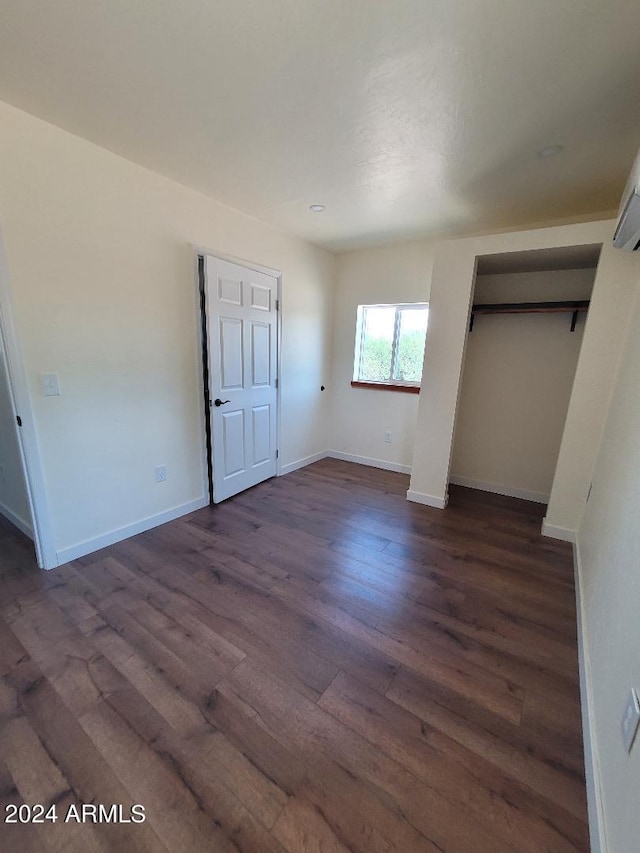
(199, 250)
(31, 459)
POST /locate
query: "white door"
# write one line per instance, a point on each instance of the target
(242, 332)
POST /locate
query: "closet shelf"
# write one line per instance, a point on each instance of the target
(569, 307)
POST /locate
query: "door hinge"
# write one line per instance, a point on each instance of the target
(277, 381)
(277, 454)
(18, 420)
(277, 304)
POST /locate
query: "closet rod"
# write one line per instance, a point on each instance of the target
(573, 307)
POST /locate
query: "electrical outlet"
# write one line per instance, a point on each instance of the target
(387, 438)
(630, 720)
(161, 473)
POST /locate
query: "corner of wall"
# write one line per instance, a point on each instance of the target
(564, 534)
(591, 758)
(427, 500)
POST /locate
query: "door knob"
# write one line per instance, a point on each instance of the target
(219, 402)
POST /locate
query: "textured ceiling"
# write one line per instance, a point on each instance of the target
(404, 118)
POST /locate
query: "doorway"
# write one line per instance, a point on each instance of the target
(14, 497)
(527, 321)
(22, 494)
(240, 330)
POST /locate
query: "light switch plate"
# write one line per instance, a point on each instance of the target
(630, 720)
(50, 384)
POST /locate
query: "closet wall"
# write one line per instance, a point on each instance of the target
(518, 376)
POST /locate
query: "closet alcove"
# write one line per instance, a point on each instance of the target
(526, 326)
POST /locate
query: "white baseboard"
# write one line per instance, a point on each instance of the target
(370, 461)
(90, 545)
(554, 532)
(499, 489)
(591, 758)
(427, 500)
(302, 463)
(18, 522)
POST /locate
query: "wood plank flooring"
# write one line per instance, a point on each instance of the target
(314, 665)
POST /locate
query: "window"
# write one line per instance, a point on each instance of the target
(390, 345)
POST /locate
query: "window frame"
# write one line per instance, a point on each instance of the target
(390, 384)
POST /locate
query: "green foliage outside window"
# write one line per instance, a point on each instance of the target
(375, 365)
(391, 343)
(408, 367)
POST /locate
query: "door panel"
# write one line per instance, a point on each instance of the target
(260, 355)
(230, 291)
(233, 441)
(231, 354)
(261, 434)
(260, 297)
(242, 329)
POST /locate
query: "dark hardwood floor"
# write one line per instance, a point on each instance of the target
(314, 665)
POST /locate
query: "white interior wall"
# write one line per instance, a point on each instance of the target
(398, 272)
(518, 374)
(101, 269)
(608, 550)
(14, 503)
(609, 312)
(450, 301)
